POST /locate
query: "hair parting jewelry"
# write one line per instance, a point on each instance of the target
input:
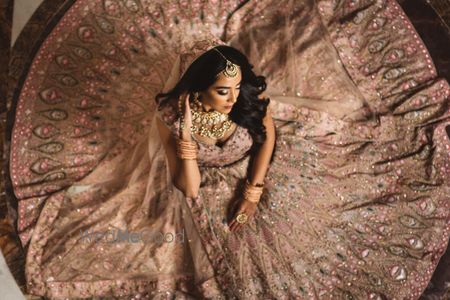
(231, 69)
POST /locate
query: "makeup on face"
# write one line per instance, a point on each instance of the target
(222, 95)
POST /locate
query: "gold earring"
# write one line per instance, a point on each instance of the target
(197, 98)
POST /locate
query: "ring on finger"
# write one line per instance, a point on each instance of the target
(242, 218)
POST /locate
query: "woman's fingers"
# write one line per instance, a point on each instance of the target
(185, 132)
(238, 227)
(246, 208)
(181, 109)
(234, 225)
(187, 112)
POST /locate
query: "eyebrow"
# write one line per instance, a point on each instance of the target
(226, 87)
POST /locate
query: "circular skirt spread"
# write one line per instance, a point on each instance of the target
(355, 204)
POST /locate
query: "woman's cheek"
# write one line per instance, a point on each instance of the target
(221, 99)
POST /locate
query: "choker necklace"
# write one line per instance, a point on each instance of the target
(202, 122)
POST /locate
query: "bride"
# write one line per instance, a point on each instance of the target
(216, 84)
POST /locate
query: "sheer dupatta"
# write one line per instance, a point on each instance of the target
(127, 216)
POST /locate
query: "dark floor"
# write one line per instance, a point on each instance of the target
(432, 21)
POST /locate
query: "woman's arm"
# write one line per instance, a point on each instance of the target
(185, 172)
(258, 171)
(262, 157)
(187, 176)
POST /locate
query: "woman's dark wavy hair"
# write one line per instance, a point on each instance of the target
(249, 110)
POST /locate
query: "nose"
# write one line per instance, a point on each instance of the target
(233, 97)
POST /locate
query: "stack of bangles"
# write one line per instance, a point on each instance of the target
(187, 149)
(252, 193)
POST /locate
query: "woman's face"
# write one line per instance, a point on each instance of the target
(222, 95)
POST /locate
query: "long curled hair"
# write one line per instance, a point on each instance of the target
(249, 110)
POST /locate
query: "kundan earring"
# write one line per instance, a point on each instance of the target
(197, 99)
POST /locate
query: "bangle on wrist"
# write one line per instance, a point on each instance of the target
(255, 185)
(252, 193)
(186, 149)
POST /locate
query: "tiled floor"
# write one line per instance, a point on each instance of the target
(8, 287)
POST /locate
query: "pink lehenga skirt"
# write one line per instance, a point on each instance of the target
(356, 198)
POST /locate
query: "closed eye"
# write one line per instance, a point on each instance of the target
(225, 91)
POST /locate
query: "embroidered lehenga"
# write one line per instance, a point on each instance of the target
(355, 204)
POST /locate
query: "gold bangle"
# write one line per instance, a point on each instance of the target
(187, 144)
(252, 197)
(252, 193)
(186, 149)
(255, 185)
(187, 156)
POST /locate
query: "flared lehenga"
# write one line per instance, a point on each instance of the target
(355, 203)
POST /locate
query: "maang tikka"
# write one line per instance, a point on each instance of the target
(231, 69)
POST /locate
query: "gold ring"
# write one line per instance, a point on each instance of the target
(241, 218)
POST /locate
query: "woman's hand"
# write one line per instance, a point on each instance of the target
(246, 207)
(185, 133)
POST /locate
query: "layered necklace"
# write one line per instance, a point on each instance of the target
(212, 124)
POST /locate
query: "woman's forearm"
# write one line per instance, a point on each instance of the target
(262, 157)
(261, 162)
(187, 177)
